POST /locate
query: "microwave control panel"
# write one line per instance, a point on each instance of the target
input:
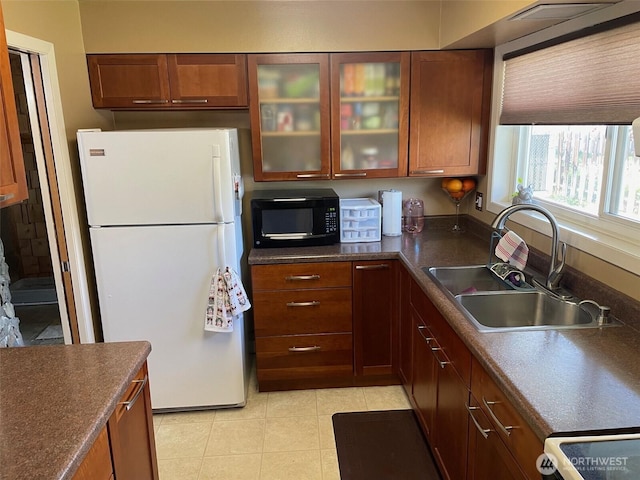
(331, 218)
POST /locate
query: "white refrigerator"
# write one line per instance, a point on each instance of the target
(163, 208)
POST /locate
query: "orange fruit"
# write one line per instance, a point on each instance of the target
(468, 184)
(454, 185)
(444, 182)
(456, 195)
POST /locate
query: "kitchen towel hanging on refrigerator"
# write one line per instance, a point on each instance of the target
(227, 299)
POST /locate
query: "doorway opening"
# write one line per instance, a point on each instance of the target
(24, 228)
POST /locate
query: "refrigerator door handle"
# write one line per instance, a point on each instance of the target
(222, 254)
(217, 184)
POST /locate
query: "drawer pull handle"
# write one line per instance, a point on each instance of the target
(312, 175)
(443, 363)
(313, 348)
(380, 266)
(505, 429)
(141, 384)
(294, 278)
(313, 303)
(347, 175)
(150, 102)
(191, 100)
(4, 198)
(420, 330)
(427, 172)
(483, 431)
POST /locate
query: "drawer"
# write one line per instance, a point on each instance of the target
(304, 356)
(293, 276)
(511, 427)
(294, 312)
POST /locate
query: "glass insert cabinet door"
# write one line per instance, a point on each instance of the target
(369, 114)
(289, 97)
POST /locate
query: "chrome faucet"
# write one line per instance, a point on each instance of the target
(555, 271)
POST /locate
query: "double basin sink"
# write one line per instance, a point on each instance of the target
(492, 305)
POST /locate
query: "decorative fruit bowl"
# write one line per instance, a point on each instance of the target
(457, 189)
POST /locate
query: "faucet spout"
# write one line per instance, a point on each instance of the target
(555, 271)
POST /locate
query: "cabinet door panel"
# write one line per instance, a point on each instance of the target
(128, 81)
(405, 332)
(289, 107)
(208, 80)
(13, 182)
(450, 93)
(451, 424)
(97, 464)
(425, 376)
(374, 316)
(131, 433)
(519, 438)
(369, 114)
(488, 455)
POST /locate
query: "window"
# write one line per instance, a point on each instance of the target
(562, 126)
(590, 169)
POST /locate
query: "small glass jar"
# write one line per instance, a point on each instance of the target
(413, 213)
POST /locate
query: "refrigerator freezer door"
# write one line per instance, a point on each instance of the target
(149, 177)
(153, 284)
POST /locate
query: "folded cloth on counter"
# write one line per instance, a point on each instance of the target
(512, 249)
(227, 299)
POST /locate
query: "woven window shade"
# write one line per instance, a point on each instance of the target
(589, 80)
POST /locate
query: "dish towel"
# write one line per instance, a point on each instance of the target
(227, 299)
(512, 249)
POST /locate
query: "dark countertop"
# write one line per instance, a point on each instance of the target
(54, 401)
(561, 381)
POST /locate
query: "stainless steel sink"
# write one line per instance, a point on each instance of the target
(512, 311)
(470, 278)
(492, 305)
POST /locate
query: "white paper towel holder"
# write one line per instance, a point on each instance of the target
(392, 213)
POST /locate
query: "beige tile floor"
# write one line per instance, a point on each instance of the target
(276, 436)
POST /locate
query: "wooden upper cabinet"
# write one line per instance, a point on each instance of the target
(168, 81)
(13, 182)
(369, 114)
(208, 79)
(290, 133)
(449, 106)
(128, 81)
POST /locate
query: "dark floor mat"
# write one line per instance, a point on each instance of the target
(384, 445)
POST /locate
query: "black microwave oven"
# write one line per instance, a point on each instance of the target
(295, 218)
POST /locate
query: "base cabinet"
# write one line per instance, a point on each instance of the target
(473, 430)
(325, 324)
(125, 448)
(441, 380)
(97, 464)
(131, 433)
(374, 317)
(303, 322)
(488, 455)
